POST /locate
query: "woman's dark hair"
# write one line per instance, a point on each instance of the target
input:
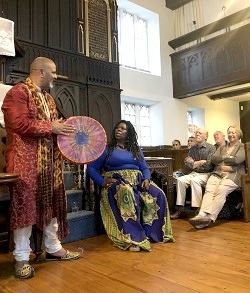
(131, 140)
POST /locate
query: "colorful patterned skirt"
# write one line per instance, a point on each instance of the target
(132, 216)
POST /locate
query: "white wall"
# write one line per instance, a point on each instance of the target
(215, 12)
(169, 115)
(219, 114)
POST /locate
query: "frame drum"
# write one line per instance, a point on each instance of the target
(86, 144)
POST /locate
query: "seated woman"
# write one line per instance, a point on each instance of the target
(229, 161)
(134, 210)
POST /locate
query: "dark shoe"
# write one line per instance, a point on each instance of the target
(200, 222)
(68, 256)
(178, 215)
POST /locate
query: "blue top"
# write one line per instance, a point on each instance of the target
(118, 160)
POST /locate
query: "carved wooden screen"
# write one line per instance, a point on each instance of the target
(98, 30)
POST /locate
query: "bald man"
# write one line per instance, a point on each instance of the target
(199, 161)
(38, 197)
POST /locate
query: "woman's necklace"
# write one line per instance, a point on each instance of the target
(121, 146)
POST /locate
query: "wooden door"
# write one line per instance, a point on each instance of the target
(245, 120)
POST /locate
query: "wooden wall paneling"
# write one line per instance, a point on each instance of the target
(54, 24)
(24, 23)
(8, 9)
(66, 94)
(114, 31)
(3, 8)
(83, 100)
(102, 73)
(39, 22)
(244, 108)
(68, 25)
(217, 63)
(98, 30)
(88, 86)
(104, 100)
(68, 65)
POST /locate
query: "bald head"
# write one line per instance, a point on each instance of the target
(43, 72)
(40, 63)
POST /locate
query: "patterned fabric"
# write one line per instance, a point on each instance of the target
(32, 152)
(131, 216)
(46, 171)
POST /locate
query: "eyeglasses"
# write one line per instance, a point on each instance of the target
(175, 144)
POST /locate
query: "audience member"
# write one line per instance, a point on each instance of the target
(176, 144)
(198, 160)
(229, 161)
(219, 138)
(191, 142)
(134, 210)
(38, 196)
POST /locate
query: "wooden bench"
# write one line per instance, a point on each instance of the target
(178, 157)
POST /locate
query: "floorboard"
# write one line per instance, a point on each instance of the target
(215, 259)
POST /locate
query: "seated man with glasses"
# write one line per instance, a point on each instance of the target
(199, 161)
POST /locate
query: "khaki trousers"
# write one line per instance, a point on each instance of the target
(217, 190)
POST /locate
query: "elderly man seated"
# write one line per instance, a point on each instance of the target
(198, 160)
(219, 139)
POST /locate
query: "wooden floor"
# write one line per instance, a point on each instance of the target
(210, 260)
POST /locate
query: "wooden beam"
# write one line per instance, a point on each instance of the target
(174, 4)
(230, 94)
(213, 27)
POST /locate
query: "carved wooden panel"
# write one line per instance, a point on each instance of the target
(216, 63)
(163, 168)
(88, 86)
(103, 73)
(104, 106)
(67, 95)
(98, 29)
(61, 29)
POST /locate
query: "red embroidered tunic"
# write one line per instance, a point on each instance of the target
(23, 131)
